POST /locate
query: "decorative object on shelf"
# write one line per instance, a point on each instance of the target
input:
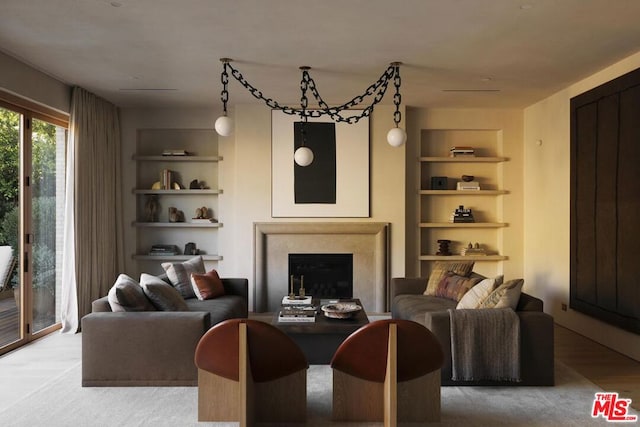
(462, 151)
(473, 250)
(190, 249)
(156, 186)
(396, 136)
(468, 183)
(175, 215)
(462, 215)
(439, 183)
(443, 247)
(175, 153)
(341, 310)
(151, 208)
(164, 250)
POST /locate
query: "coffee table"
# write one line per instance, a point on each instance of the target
(319, 340)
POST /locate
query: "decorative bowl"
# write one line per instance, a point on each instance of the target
(341, 310)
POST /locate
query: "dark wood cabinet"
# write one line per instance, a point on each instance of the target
(605, 202)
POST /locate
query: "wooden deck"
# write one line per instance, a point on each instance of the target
(9, 321)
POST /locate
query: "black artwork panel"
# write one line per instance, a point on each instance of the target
(316, 183)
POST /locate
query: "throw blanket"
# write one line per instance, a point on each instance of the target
(485, 344)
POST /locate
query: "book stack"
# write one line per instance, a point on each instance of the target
(462, 214)
(297, 314)
(166, 179)
(175, 153)
(164, 250)
(468, 185)
(296, 300)
(461, 151)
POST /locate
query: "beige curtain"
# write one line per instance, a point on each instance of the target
(97, 230)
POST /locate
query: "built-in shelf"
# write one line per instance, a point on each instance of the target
(176, 224)
(464, 159)
(177, 158)
(463, 258)
(462, 224)
(463, 192)
(184, 192)
(175, 257)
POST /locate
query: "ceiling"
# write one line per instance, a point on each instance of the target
(456, 53)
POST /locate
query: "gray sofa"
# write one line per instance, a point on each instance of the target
(536, 330)
(153, 348)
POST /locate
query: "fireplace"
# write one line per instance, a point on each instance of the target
(325, 275)
(366, 241)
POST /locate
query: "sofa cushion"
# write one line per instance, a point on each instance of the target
(179, 273)
(440, 268)
(221, 308)
(127, 295)
(504, 296)
(207, 286)
(161, 294)
(474, 297)
(453, 286)
(407, 306)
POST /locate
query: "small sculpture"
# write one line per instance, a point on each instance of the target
(175, 215)
(151, 208)
(202, 213)
(468, 178)
(193, 185)
(443, 247)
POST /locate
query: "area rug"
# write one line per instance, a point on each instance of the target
(62, 402)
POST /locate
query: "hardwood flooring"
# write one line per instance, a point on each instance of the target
(604, 367)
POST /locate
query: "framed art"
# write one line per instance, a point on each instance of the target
(336, 183)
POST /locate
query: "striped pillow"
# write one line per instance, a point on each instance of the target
(440, 268)
(454, 287)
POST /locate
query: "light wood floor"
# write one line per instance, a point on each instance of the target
(604, 367)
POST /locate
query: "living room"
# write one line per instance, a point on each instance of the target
(533, 131)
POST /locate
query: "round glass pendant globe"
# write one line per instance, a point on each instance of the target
(396, 137)
(303, 156)
(224, 126)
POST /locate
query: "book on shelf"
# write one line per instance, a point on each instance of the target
(468, 185)
(202, 220)
(462, 151)
(175, 153)
(164, 250)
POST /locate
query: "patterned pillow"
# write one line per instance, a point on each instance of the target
(161, 294)
(207, 286)
(179, 274)
(474, 297)
(440, 268)
(127, 295)
(453, 286)
(506, 295)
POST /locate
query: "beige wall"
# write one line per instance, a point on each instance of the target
(22, 80)
(246, 180)
(508, 124)
(546, 205)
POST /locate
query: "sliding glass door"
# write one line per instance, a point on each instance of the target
(31, 224)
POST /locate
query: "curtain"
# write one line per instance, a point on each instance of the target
(93, 254)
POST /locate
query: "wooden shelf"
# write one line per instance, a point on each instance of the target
(462, 192)
(463, 258)
(462, 224)
(175, 257)
(177, 158)
(463, 159)
(185, 192)
(176, 224)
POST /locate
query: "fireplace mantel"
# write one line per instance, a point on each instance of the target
(368, 241)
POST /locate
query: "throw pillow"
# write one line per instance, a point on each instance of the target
(207, 286)
(440, 268)
(161, 294)
(127, 295)
(506, 295)
(179, 274)
(474, 297)
(453, 286)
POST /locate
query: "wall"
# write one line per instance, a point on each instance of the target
(22, 80)
(246, 181)
(547, 211)
(508, 123)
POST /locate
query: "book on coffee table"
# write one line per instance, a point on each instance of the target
(297, 300)
(288, 314)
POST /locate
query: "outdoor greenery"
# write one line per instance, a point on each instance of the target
(43, 137)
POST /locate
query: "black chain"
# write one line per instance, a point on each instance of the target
(378, 89)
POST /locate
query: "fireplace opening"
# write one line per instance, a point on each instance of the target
(325, 275)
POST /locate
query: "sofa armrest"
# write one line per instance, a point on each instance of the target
(407, 285)
(236, 286)
(141, 348)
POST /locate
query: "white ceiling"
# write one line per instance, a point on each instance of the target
(521, 51)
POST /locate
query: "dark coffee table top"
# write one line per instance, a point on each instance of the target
(323, 324)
